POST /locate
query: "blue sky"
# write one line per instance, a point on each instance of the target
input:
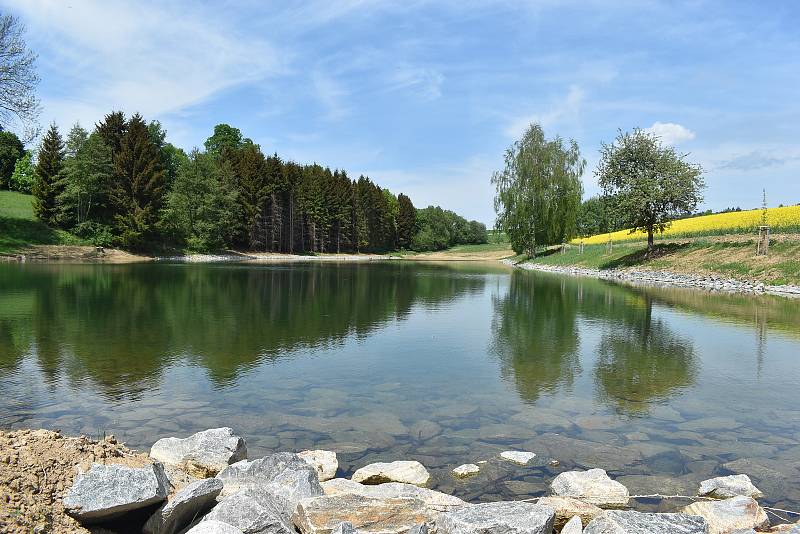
(424, 97)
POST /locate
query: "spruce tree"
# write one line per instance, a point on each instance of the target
(138, 189)
(406, 221)
(112, 129)
(46, 187)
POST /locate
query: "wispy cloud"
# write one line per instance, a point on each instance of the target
(331, 94)
(149, 57)
(755, 160)
(670, 133)
(566, 107)
(427, 82)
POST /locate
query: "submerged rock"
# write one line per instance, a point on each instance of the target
(109, 491)
(498, 517)
(213, 527)
(567, 508)
(321, 515)
(730, 515)
(185, 505)
(729, 486)
(629, 522)
(573, 526)
(394, 490)
(324, 462)
(466, 470)
(518, 457)
(203, 454)
(593, 486)
(408, 471)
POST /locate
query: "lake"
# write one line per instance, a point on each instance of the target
(443, 363)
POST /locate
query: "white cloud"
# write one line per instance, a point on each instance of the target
(670, 133)
(426, 81)
(148, 57)
(565, 108)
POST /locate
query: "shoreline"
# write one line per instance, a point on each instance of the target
(181, 483)
(665, 279)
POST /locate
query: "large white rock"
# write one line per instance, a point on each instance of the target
(729, 486)
(184, 506)
(321, 515)
(593, 486)
(498, 517)
(730, 515)
(325, 462)
(203, 454)
(394, 490)
(518, 457)
(466, 470)
(573, 526)
(109, 491)
(629, 522)
(408, 471)
(213, 527)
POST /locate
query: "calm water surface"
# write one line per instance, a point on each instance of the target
(443, 363)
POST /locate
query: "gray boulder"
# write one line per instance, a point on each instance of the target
(184, 506)
(593, 486)
(394, 490)
(253, 512)
(345, 528)
(498, 517)
(729, 486)
(629, 522)
(109, 491)
(203, 454)
(573, 526)
(213, 527)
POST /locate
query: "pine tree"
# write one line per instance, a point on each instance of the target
(138, 189)
(46, 186)
(406, 221)
(112, 129)
(253, 189)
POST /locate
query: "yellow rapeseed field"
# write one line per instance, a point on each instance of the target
(735, 222)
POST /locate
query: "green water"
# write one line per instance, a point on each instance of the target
(443, 363)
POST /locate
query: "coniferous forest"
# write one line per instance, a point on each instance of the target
(123, 184)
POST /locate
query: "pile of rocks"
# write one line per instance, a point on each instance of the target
(286, 493)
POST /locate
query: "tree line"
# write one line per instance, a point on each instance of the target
(645, 185)
(123, 184)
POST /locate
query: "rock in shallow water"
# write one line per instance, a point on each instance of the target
(203, 454)
(729, 486)
(498, 517)
(321, 515)
(593, 486)
(409, 472)
(324, 462)
(109, 491)
(629, 522)
(518, 457)
(736, 513)
(466, 470)
(184, 506)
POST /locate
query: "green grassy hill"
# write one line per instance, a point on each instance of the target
(19, 227)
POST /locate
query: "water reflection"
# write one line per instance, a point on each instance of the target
(121, 326)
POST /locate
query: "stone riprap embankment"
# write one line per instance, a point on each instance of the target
(665, 279)
(283, 493)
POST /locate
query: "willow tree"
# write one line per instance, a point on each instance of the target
(649, 184)
(539, 191)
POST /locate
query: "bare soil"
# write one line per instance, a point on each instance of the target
(73, 253)
(38, 466)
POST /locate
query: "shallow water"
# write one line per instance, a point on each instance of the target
(443, 363)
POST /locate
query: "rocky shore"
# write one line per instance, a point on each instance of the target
(205, 483)
(662, 278)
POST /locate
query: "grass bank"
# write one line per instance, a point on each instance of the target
(730, 256)
(19, 228)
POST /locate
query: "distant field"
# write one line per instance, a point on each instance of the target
(780, 220)
(19, 227)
